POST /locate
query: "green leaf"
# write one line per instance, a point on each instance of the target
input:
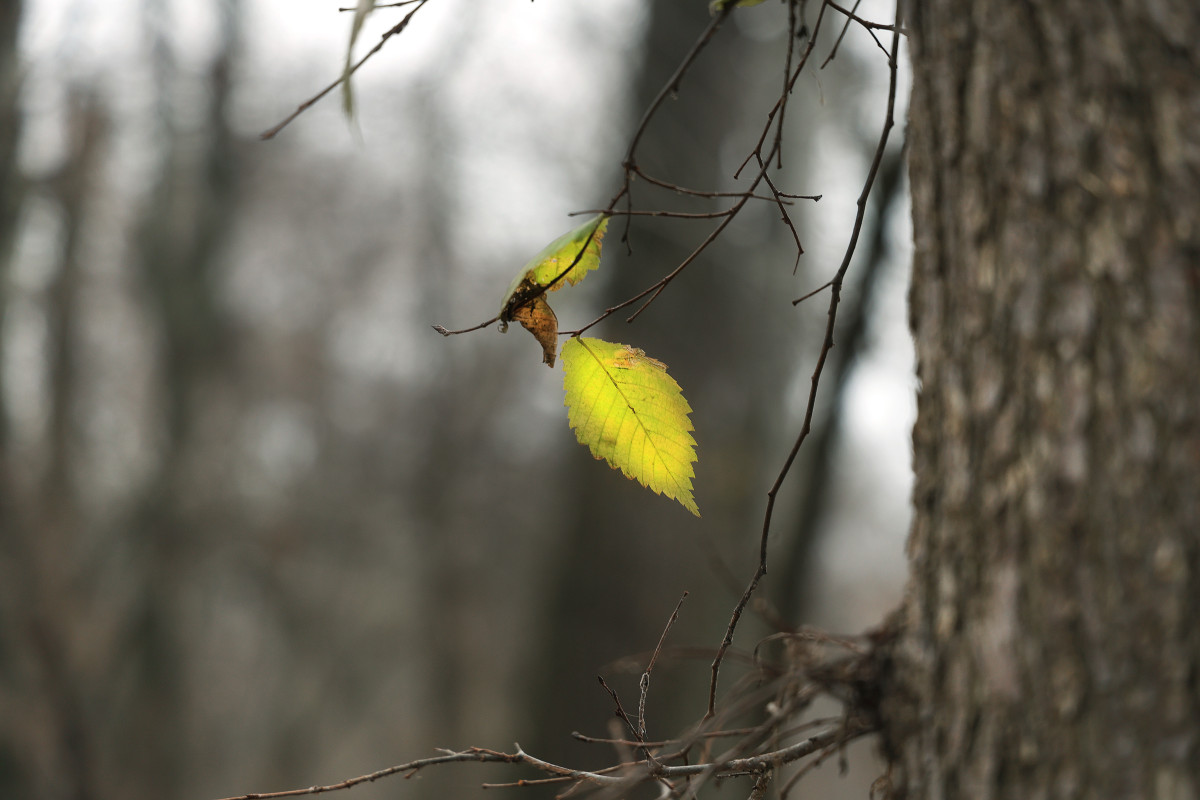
(717, 6)
(628, 411)
(361, 10)
(565, 260)
(565, 251)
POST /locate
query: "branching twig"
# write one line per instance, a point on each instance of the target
(835, 286)
(670, 87)
(850, 17)
(726, 216)
(395, 30)
(866, 23)
(868, 26)
(620, 710)
(633, 772)
(474, 754)
(789, 85)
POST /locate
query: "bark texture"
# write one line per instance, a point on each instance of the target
(1050, 643)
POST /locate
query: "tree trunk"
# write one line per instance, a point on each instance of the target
(1050, 644)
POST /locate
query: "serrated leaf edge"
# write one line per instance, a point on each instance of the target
(683, 452)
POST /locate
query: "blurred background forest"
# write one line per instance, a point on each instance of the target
(261, 527)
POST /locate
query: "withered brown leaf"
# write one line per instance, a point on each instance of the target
(538, 318)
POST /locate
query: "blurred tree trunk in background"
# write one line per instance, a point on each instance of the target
(1051, 646)
(52, 519)
(183, 233)
(12, 191)
(14, 769)
(11, 183)
(95, 684)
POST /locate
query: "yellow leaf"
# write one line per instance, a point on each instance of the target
(629, 412)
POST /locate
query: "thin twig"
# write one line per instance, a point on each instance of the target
(644, 683)
(760, 785)
(809, 767)
(792, 30)
(387, 5)
(582, 737)
(838, 42)
(445, 332)
(633, 212)
(474, 754)
(697, 193)
(670, 87)
(785, 216)
(620, 710)
(789, 86)
(577, 774)
(813, 293)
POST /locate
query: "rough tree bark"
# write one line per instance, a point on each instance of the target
(1049, 644)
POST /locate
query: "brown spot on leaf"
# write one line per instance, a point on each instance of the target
(518, 298)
